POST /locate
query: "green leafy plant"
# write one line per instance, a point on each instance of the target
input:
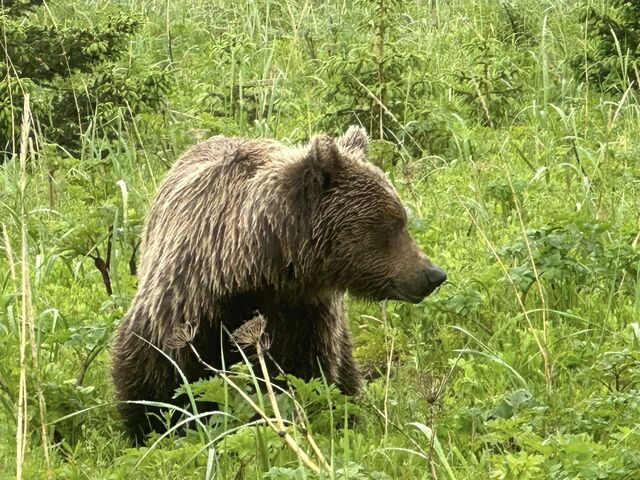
(611, 58)
(77, 87)
(510, 131)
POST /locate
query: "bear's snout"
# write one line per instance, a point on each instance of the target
(424, 284)
(435, 275)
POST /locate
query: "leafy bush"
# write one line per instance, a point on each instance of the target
(72, 73)
(613, 54)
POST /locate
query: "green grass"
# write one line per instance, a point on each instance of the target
(521, 179)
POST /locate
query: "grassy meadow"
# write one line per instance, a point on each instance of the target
(511, 130)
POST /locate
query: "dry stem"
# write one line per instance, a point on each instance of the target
(278, 428)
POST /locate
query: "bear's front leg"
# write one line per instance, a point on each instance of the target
(349, 379)
(312, 340)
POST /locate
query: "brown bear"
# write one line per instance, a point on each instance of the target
(240, 226)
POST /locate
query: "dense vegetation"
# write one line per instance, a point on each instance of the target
(510, 129)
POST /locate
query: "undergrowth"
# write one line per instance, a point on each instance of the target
(510, 129)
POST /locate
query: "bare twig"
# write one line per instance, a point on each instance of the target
(387, 381)
(540, 342)
(85, 364)
(21, 431)
(26, 329)
(303, 424)
(262, 345)
(543, 344)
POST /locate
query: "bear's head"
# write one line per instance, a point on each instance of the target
(358, 226)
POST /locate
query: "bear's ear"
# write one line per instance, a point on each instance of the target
(322, 162)
(355, 139)
(315, 172)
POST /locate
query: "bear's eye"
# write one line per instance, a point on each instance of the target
(395, 225)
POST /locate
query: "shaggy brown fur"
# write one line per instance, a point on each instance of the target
(242, 226)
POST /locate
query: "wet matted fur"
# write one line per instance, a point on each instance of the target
(240, 226)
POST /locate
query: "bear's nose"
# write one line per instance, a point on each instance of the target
(436, 275)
